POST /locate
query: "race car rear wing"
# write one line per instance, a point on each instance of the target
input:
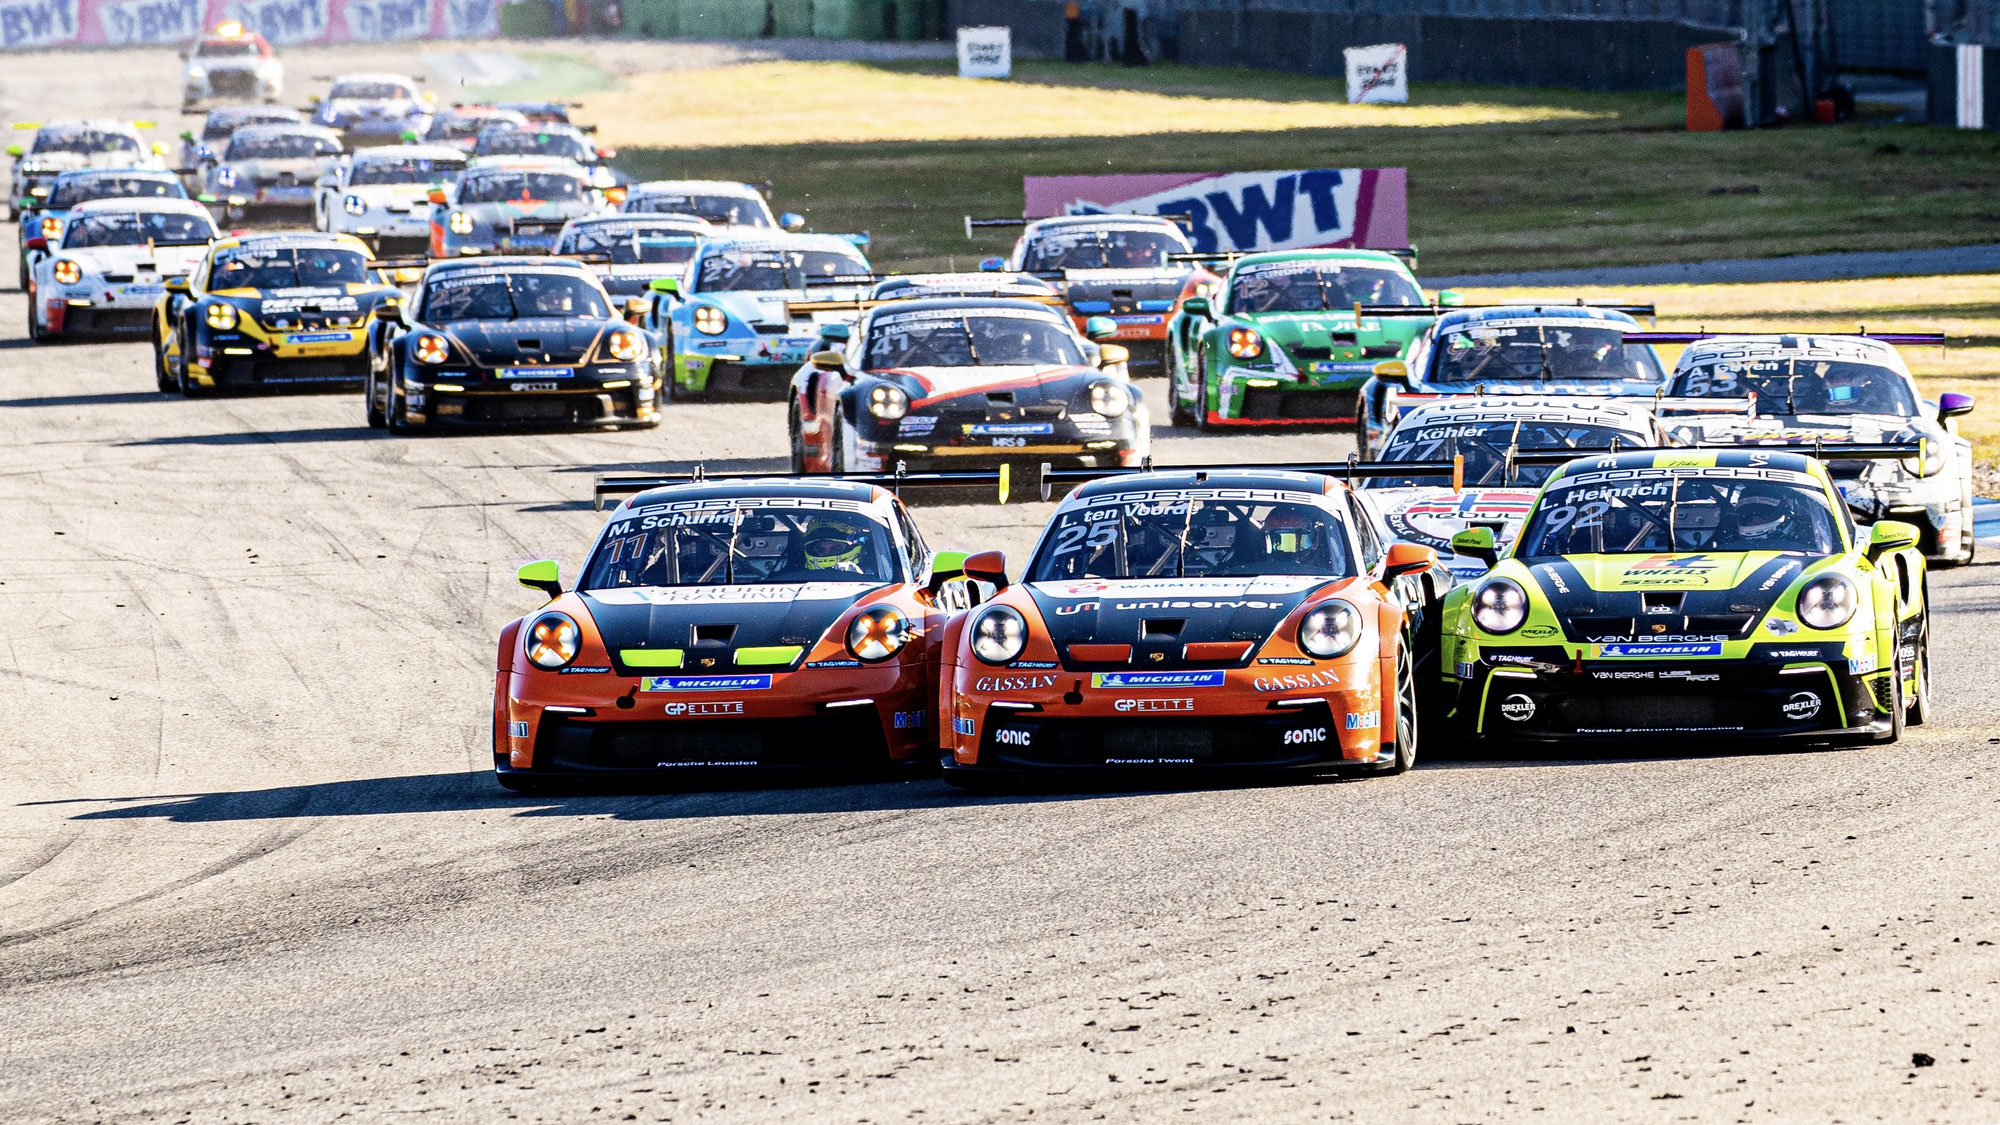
(1658, 400)
(1863, 333)
(1436, 309)
(1352, 469)
(1825, 450)
(895, 481)
(863, 304)
(972, 224)
(1407, 253)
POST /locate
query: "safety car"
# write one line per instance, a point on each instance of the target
(1721, 592)
(111, 264)
(383, 194)
(271, 167)
(501, 340)
(1217, 620)
(270, 310)
(728, 328)
(1809, 389)
(510, 205)
(230, 62)
(729, 626)
(1537, 350)
(42, 218)
(1134, 269)
(1288, 337)
(967, 380)
(630, 252)
(67, 146)
(565, 142)
(374, 109)
(722, 203)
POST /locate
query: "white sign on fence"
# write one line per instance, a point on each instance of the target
(1378, 74)
(985, 52)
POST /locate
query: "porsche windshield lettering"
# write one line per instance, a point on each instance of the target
(746, 543)
(1680, 513)
(972, 338)
(1168, 535)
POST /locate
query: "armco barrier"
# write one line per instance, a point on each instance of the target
(33, 24)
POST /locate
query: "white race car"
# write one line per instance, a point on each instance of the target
(1497, 489)
(230, 63)
(1801, 389)
(375, 109)
(383, 195)
(721, 202)
(113, 265)
(272, 166)
(67, 146)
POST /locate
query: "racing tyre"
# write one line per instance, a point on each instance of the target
(377, 417)
(1179, 416)
(798, 439)
(836, 458)
(1917, 708)
(1405, 749)
(1898, 705)
(188, 387)
(34, 330)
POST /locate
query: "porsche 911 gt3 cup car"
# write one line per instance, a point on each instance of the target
(494, 341)
(269, 310)
(1494, 486)
(271, 166)
(965, 380)
(383, 194)
(564, 142)
(728, 626)
(728, 328)
(44, 218)
(1215, 620)
(374, 109)
(461, 125)
(1708, 592)
(510, 205)
(201, 150)
(230, 63)
(1279, 343)
(1513, 349)
(111, 265)
(916, 287)
(1131, 268)
(1810, 389)
(630, 252)
(721, 203)
(67, 146)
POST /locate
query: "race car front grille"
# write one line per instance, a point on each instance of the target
(1017, 740)
(547, 409)
(1885, 694)
(1147, 356)
(767, 382)
(1274, 404)
(94, 322)
(291, 372)
(848, 739)
(1664, 711)
(232, 83)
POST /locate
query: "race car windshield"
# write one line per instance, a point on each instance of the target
(283, 146)
(84, 141)
(765, 270)
(969, 339)
(521, 187)
(744, 545)
(83, 189)
(222, 123)
(404, 171)
(1678, 511)
(727, 210)
(287, 267)
(226, 49)
(631, 245)
(1184, 538)
(529, 142)
(1101, 250)
(137, 228)
(370, 91)
(1801, 386)
(1316, 286)
(1484, 446)
(1541, 353)
(511, 296)
(453, 126)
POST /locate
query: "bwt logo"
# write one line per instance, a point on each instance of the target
(37, 22)
(1239, 209)
(152, 22)
(1306, 736)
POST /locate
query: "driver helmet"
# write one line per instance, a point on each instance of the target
(1287, 533)
(832, 544)
(1843, 382)
(1759, 517)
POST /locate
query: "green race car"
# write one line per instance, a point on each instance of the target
(1668, 593)
(1289, 336)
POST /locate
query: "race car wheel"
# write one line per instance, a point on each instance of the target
(1917, 709)
(1178, 415)
(836, 459)
(377, 417)
(163, 372)
(1898, 704)
(1405, 749)
(798, 439)
(1361, 435)
(188, 387)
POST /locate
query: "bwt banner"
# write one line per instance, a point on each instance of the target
(1245, 211)
(28, 24)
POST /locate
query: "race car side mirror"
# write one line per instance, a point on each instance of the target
(541, 575)
(1450, 297)
(1111, 355)
(1890, 535)
(435, 195)
(36, 243)
(670, 286)
(14, 150)
(1393, 371)
(389, 310)
(1412, 558)
(833, 332)
(1951, 405)
(992, 265)
(1474, 543)
(792, 220)
(945, 566)
(636, 309)
(1100, 327)
(830, 360)
(987, 566)
(1196, 306)
(175, 284)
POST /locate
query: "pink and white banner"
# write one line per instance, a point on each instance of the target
(28, 24)
(1245, 211)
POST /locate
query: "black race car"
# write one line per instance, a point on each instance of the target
(520, 340)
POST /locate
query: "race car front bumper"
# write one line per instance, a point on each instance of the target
(1327, 394)
(736, 376)
(253, 356)
(121, 311)
(502, 405)
(1088, 442)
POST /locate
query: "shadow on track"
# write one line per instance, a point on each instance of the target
(260, 437)
(113, 398)
(713, 465)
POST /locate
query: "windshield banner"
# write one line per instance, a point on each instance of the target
(26, 24)
(1245, 211)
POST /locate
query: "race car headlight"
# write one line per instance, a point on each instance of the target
(51, 226)
(354, 205)
(553, 640)
(710, 321)
(623, 344)
(1245, 344)
(1110, 398)
(1330, 630)
(1931, 462)
(221, 317)
(461, 222)
(888, 402)
(68, 272)
(226, 177)
(432, 349)
(999, 635)
(197, 72)
(1499, 606)
(878, 634)
(1828, 602)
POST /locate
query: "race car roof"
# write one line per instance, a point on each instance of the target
(527, 163)
(695, 187)
(1633, 415)
(1790, 346)
(395, 153)
(779, 241)
(1328, 254)
(1551, 314)
(295, 238)
(966, 304)
(682, 224)
(284, 129)
(140, 203)
(801, 487)
(161, 174)
(1105, 219)
(1306, 484)
(1760, 457)
(504, 262)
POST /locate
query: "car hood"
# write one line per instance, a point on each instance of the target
(540, 339)
(932, 386)
(1094, 611)
(71, 161)
(770, 615)
(368, 107)
(413, 194)
(1338, 332)
(1431, 516)
(1668, 594)
(771, 307)
(170, 260)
